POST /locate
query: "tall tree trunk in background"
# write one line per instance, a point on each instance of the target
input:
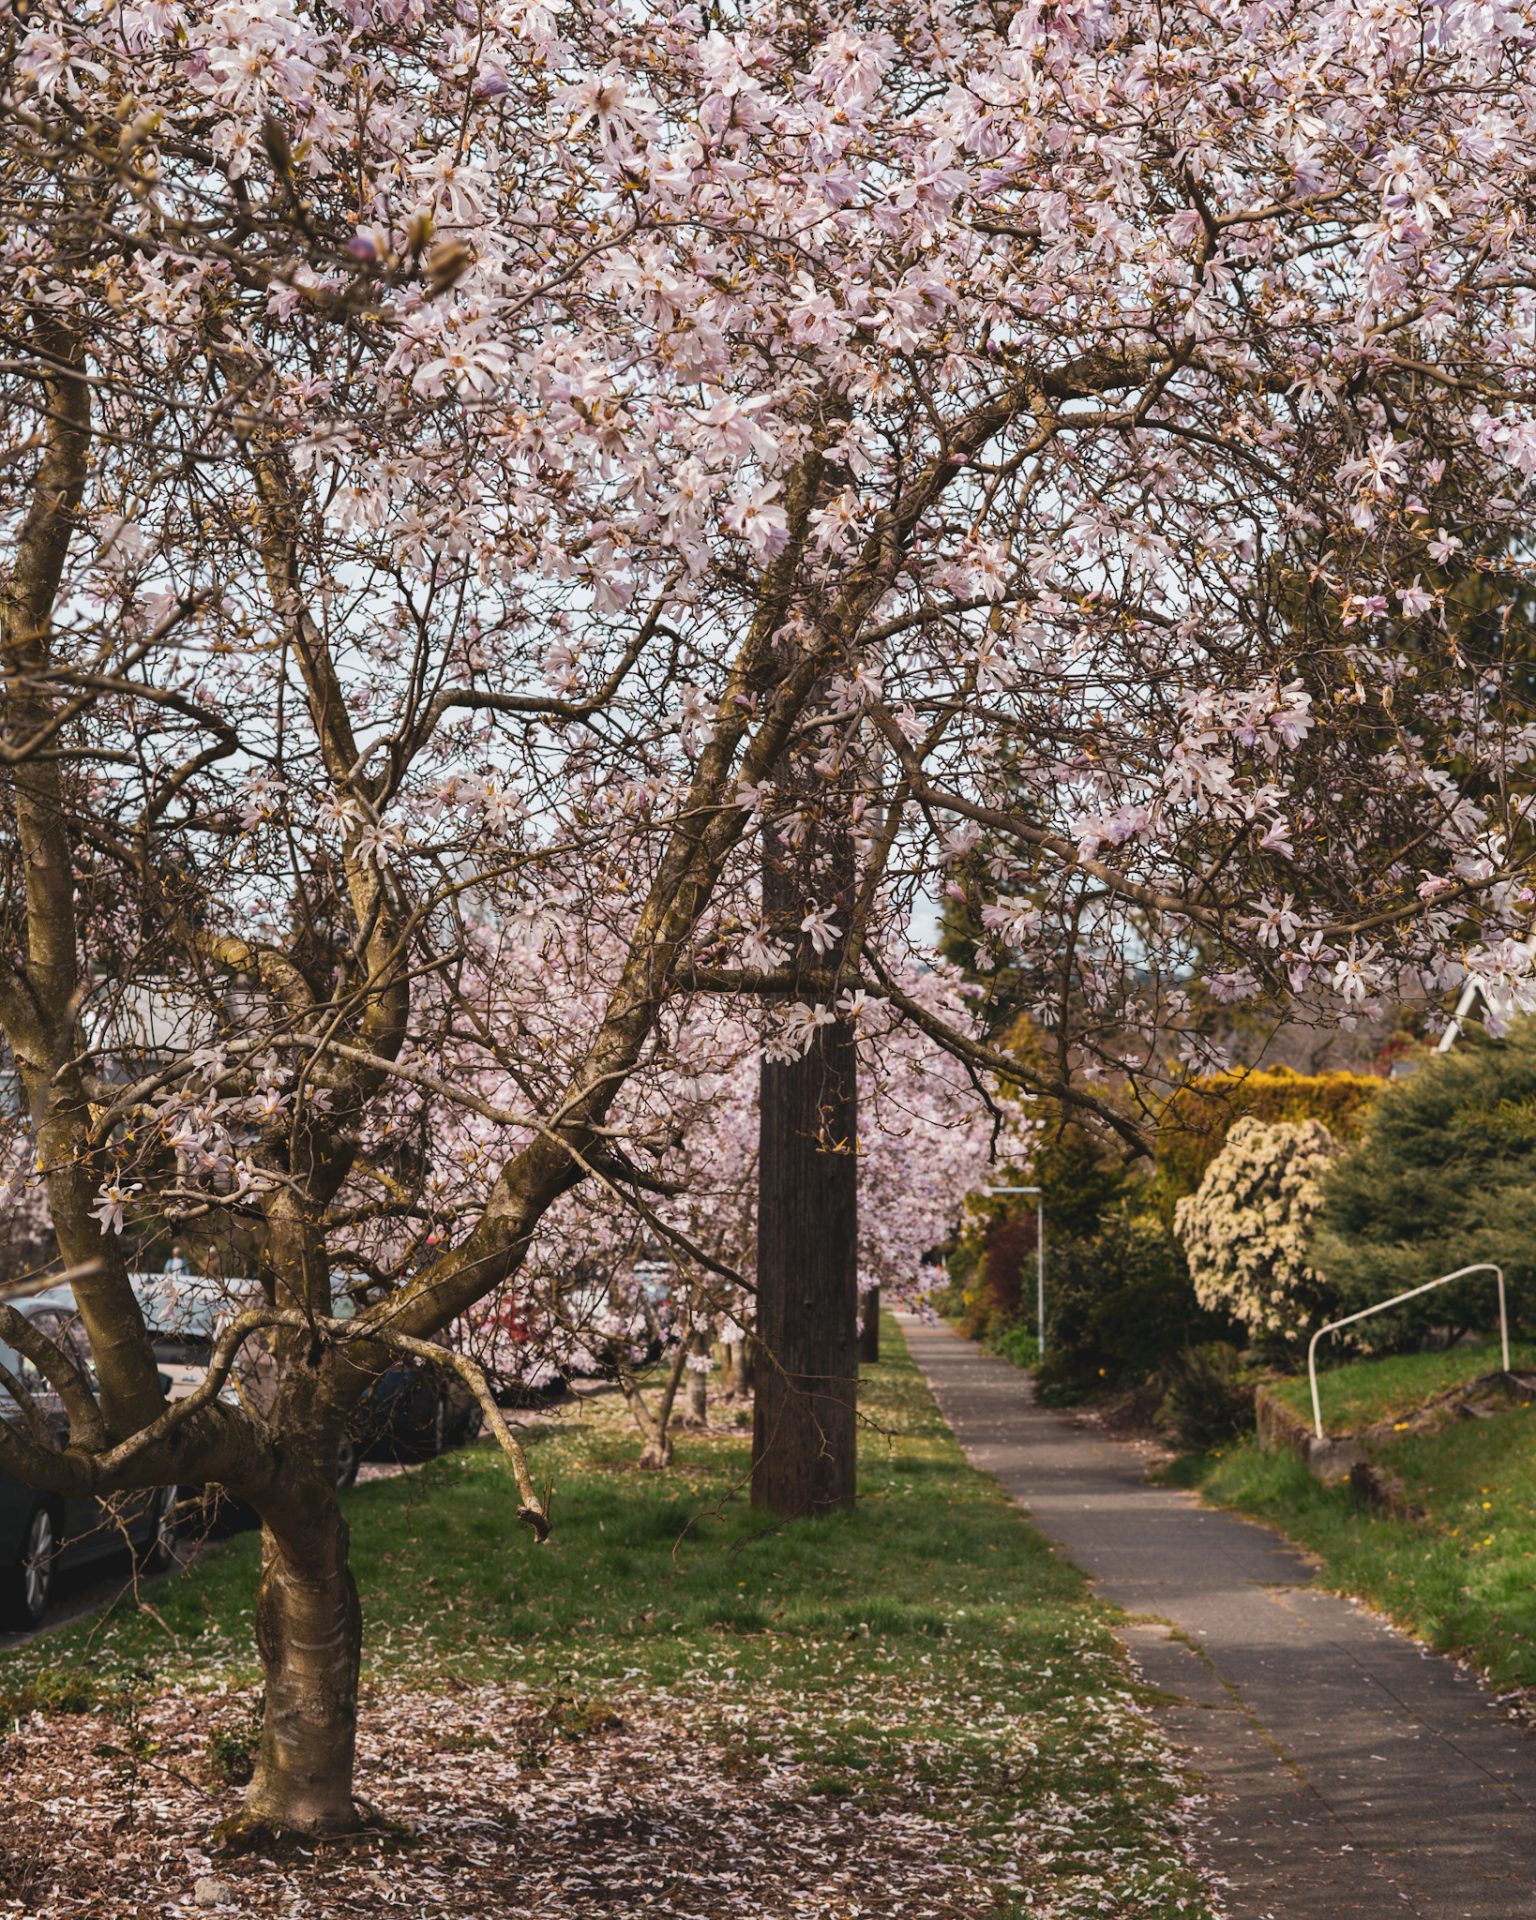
(869, 1325)
(804, 1424)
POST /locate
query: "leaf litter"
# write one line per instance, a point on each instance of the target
(501, 1803)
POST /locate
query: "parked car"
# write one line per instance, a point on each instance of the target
(43, 1534)
(183, 1313)
(604, 1319)
(412, 1409)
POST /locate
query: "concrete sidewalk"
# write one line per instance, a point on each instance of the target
(1351, 1773)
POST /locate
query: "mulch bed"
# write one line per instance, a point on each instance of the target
(497, 1807)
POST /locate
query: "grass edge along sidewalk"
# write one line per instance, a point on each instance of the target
(929, 1655)
(1458, 1579)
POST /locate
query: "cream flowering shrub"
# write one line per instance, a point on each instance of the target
(1244, 1230)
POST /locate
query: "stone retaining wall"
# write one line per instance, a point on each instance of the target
(1347, 1456)
(1282, 1430)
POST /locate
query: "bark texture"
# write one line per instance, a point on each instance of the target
(804, 1433)
(309, 1634)
(698, 1383)
(804, 1423)
(869, 1325)
(655, 1423)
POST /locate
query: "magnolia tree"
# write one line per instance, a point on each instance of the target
(925, 1142)
(584, 1293)
(456, 464)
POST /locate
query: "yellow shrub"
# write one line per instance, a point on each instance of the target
(1195, 1118)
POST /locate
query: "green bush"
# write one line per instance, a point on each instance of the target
(1076, 1283)
(1117, 1307)
(948, 1302)
(1444, 1177)
(1017, 1343)
(1209, 1397)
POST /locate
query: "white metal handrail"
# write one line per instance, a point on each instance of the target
(1482, 1266)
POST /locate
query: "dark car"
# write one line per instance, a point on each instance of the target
(415, 1410)
(43, 1534)
(411, 1408)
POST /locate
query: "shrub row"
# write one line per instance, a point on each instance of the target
(1278, 1200)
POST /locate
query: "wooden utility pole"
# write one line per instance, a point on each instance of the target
(804, 1429)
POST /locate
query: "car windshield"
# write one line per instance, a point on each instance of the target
(183, 1352)
(190, 1305)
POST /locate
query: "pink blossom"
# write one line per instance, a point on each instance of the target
(818, 924)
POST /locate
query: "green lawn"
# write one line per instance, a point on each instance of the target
(928, 1654)
(1363, 1391)
(1461, 1579)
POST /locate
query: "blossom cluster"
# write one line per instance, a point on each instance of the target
(1245, 1229)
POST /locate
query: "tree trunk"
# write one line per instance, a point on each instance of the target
(804, 1433)
(309, 1634)
(698, 1383)
(869, 1325)
(656, 1454)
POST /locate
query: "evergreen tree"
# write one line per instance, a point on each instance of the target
(1445, 1176)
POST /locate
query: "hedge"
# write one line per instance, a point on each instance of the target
(1193, 1122)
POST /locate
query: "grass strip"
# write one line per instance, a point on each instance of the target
(927, 1654)
(1460, 1580)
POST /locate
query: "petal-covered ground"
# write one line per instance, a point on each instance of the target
(914, 1711)
(493, 1804)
